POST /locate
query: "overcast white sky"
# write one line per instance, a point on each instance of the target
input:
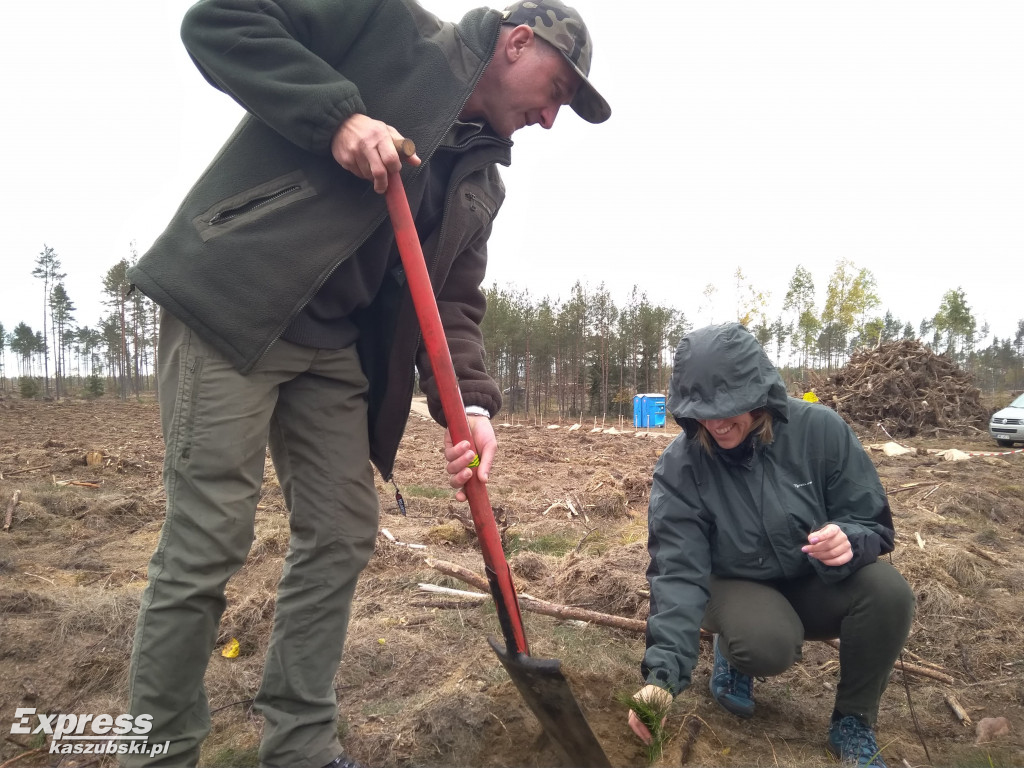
(748, 134)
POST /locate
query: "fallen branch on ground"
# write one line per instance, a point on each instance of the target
(26, 469)
(477, 597)
(567, 505)
(79, 483)
(910, 487)
(37, 576)
(391, 537)
(620, 622)
(984, 555)
(932, 671)
(924, 663)
(996, 681)
(958, 710)
(528, 603)
(914, 669)
(460, 573)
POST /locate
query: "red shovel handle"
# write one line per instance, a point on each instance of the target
(498, 574)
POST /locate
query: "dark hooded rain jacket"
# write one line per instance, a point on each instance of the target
(746, 519)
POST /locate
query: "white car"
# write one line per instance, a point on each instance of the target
(1007, 426)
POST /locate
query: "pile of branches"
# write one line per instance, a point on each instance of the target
(906, 388)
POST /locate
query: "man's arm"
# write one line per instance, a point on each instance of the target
(461, 305)
(276, 57)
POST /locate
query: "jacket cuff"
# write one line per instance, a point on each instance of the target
(660, 678)
(323, 135)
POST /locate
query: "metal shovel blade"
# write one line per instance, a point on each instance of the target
(546, 691)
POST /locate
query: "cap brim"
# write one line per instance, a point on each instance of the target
(588, 103)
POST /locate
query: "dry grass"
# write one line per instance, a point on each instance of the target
(109, 613)
(611, 583)
(418, 684)
(24, 601)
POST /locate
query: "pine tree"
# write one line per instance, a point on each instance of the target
(48, 270)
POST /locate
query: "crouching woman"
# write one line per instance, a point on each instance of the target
(766, 522)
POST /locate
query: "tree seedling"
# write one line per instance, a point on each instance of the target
(653, 717)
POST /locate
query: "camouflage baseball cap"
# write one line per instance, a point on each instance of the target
(562, 27)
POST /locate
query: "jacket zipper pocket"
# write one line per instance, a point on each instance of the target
(476, 200)
(222, 217)
(252, 204)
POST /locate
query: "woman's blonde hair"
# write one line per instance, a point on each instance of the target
(760, 427)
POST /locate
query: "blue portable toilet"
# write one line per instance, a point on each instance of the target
(649, 410)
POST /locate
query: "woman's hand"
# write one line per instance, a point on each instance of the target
(829, 545)
(656, 698)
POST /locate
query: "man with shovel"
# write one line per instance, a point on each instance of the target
(286, 316)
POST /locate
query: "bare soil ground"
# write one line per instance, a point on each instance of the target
(419, 686)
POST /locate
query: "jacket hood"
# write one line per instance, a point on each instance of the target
(722, 371)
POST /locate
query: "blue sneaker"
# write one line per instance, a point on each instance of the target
(852, 742)
(733, 690)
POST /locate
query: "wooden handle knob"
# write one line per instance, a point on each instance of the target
(405, 147)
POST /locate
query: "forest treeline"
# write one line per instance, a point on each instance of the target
(583, 355)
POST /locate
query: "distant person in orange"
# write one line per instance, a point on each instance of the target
(766, 522)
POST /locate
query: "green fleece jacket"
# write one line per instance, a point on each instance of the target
(274, 215)
(746, 518)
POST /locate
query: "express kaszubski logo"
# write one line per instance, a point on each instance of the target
(89, 734)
